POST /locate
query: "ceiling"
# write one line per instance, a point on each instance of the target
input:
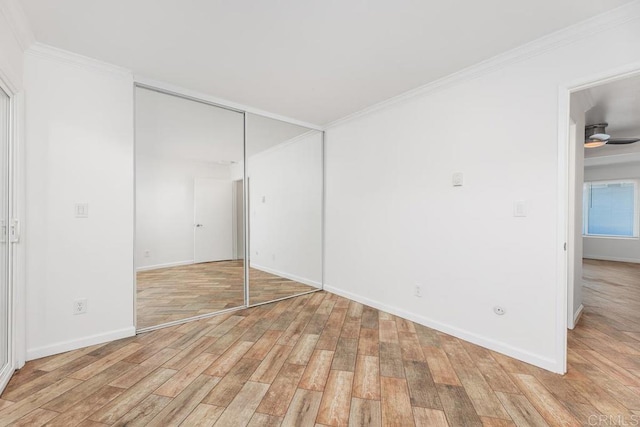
(315, 61)
(616, 103)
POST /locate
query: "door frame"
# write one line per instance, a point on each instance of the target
(16, 339)
(566, 176)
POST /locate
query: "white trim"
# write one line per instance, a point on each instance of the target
(567, 35)
(563, 229)
(289, 276)
(165, 265)
(169, 88)
(18, 23)
(71, 58)
(491, 344)
(63, 346)
(571, 244)
(18, 204)
(611, 258)
(576, 316)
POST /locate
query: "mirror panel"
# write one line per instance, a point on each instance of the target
(189, 253)
(285, 200)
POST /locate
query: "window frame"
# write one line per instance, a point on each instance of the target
(636, 208)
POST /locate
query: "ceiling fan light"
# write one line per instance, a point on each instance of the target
(594, 143)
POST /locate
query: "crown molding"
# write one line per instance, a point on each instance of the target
(565, 36)
(64, 56)
(18, 23)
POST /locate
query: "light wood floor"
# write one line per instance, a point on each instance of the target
(177, 293)
(323, 359)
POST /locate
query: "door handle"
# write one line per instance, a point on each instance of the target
(199, 225)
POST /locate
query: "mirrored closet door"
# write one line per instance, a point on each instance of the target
(285, 204)
(189, 224)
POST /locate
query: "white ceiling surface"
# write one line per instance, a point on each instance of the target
(315, 61)
(616, 103)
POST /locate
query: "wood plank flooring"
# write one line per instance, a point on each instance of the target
(176, 293)
(320, 359)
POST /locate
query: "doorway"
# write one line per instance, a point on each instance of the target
(603, 223)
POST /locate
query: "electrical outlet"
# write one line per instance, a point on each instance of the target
(80, 306)
(418, 291)
(147, 254)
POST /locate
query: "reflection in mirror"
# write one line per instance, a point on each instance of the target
(189, 208)
(285, 189)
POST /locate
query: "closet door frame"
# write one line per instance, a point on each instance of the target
(12, 159)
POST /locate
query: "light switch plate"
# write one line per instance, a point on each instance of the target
(520, 208)
(82, 210)
(457, 179)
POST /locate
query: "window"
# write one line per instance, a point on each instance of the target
(610, 208)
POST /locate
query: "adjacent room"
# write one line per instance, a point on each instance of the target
(606, 301)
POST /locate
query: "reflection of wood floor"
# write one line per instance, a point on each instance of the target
(320, 358)
(175, 293)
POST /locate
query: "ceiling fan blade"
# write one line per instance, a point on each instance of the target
(620, 141)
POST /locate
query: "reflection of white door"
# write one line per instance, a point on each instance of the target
(213, 226)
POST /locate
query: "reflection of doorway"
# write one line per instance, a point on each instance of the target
(213, 215)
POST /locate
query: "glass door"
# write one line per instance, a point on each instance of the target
(6, 364)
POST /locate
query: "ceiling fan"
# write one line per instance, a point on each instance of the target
(595, 136)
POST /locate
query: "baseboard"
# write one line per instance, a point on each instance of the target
(293, 277)
(61, 347)
(167, 265)
(577, 315)
(611, 258)
(500, 347)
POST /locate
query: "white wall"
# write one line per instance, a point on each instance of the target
(286, 209)
(394, 220)
(79, 149)
(578, 106)
(11, 55)
(165, 208)
(607, 248)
